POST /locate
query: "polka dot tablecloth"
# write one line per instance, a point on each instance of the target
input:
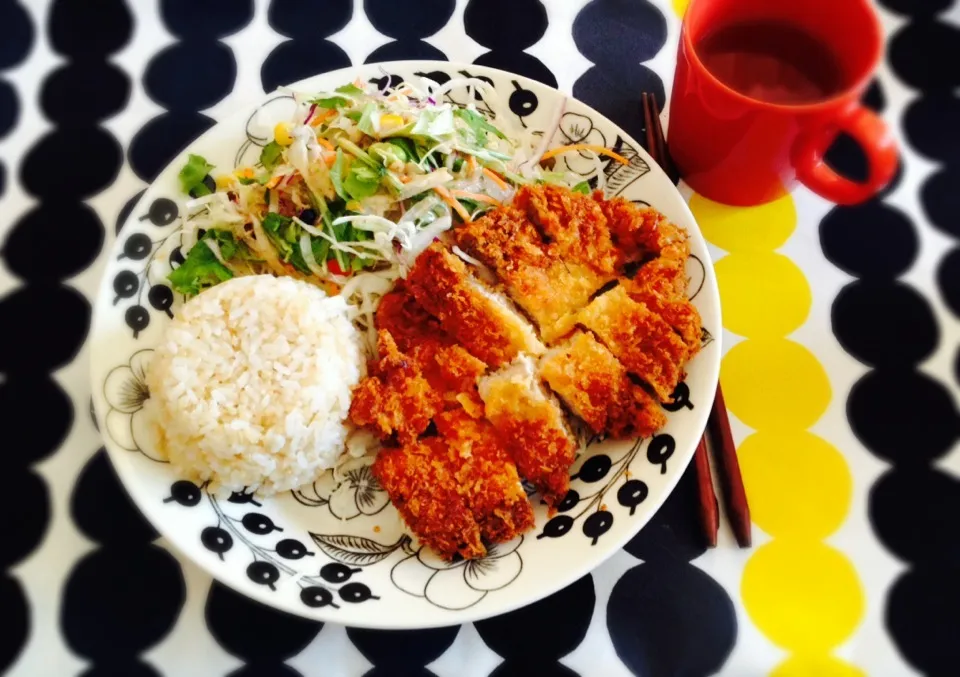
(841, 372)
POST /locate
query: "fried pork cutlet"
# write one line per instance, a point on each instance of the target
(487, 477)
(533, 427)
(395, 398)
(595, 386)
(423, 485)
(642, 232)
(404, 391)
(485, 324)
(641, 339)
(572, 224)
(655, 285)
(548, 288)
(457, 489)
(406, 320)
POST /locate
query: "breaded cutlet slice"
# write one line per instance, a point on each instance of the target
(448, 367)
(644, 342)
(395, 398)
(423, 486)
(486, 476)
(478, 318)
(642, 232)
(572, 224)
(655, 285)
(662, 275)
(533, 426)
(595, 387)
(545, 286)
(408, 323)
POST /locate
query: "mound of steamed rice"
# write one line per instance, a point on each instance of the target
(250, 385)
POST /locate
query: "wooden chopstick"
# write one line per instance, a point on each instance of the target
(709, 512)
(656, 143)
(725, 452)
(718, 424)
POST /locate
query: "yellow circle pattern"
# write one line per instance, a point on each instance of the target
(746, 229)
(762, 294)
(774, 384)
(816, 664)
(803, 594)
(800, 486)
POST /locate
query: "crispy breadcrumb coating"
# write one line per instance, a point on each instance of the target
(595, 386)
(645, 344)
(482, 322)
(487, 477)
(572, 224)
(455, 392)
(655, 285)
(532, 424)
(423, 486)
(406, 320)
(642, 232)
(548, 288)
(395, 398)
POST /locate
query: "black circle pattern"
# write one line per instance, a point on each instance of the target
(507, 40)
(404, 651)
(702, 627)
(200, 25)
(124, 597)
(908, 504)
(121, 600)
(523, 639)
(25, 530)
(258, 634)
(102, 509)
(307, 52)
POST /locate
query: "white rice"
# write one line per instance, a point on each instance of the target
(250, 386)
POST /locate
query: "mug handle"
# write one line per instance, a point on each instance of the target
(868, 130)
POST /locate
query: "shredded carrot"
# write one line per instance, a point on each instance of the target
(319, 119)
(452, 203)
(406, 179)
(329, 159)
(493, 176)
(476, 197)
(599, 150)
(471, 164)
(272, 183)
(326, 144)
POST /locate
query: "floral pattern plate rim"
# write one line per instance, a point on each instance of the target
(338, 551)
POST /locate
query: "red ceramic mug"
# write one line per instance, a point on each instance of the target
(742, 142)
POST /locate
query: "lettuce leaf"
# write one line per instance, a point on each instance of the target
(362, 180)
(200, 270)
(192, 176)
(478, 124)
(270, 155)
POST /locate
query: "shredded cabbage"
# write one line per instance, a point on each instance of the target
(359, 181)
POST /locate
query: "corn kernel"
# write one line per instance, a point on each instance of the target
(224, 181)
(390, 121)
(353, 206)
(282, 133)
(244, 173)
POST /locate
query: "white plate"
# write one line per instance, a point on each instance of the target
(341, 553)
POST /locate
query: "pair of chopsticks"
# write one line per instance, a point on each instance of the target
(718, 425)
